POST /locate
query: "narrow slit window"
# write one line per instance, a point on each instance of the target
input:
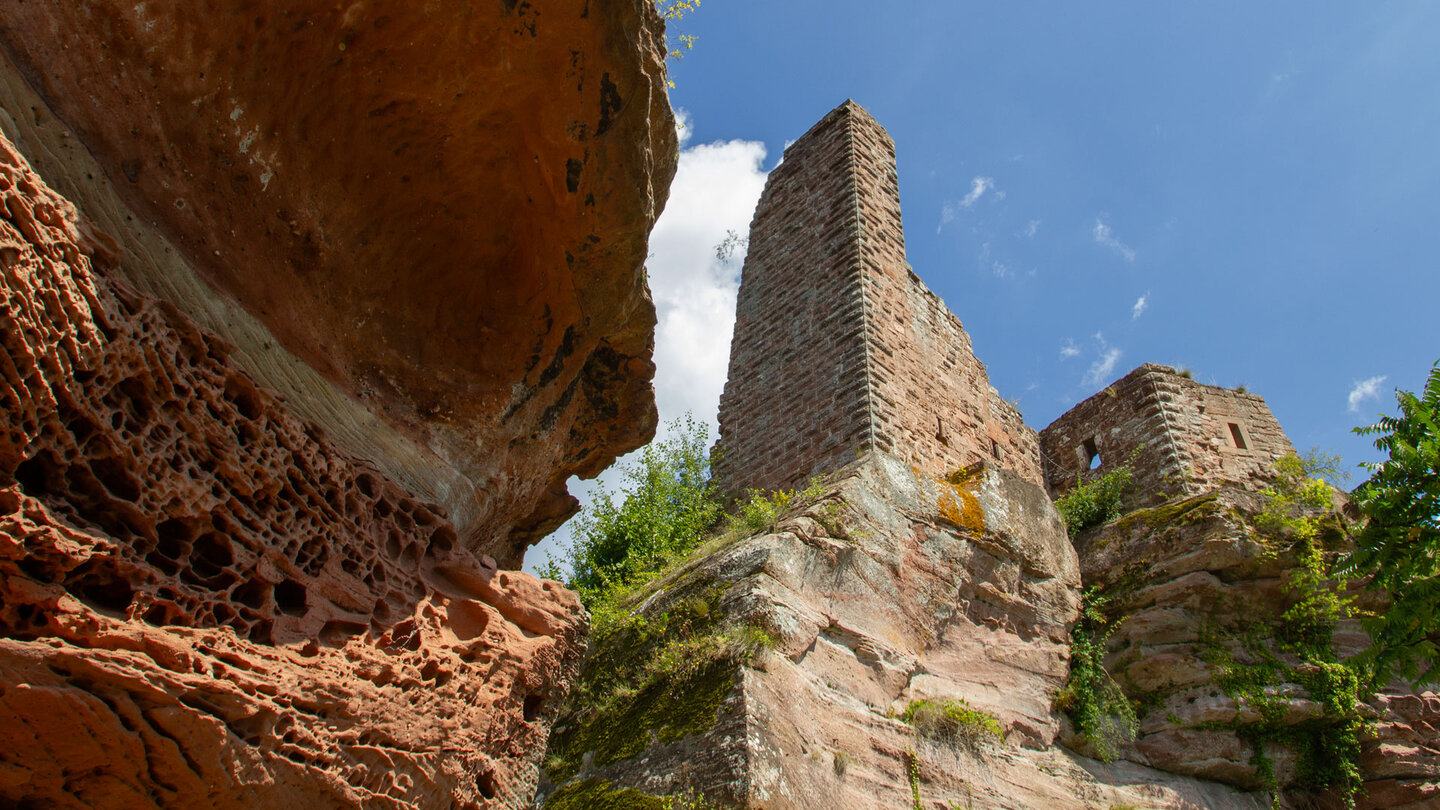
(1091, 453)
(1237, 436)
(995, 449)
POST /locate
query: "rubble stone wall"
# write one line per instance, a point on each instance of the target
(1179, 436)
(839, 348)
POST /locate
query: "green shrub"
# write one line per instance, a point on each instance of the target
(660, 514)
(953, 721)
(1298, 498)
(760, 510)
(1091, 503)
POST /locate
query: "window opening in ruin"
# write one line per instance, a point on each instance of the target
(995, 449)
(1237, 436)
(940, 431)
(1092, 453)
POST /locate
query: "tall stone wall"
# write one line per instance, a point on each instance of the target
(1179, 436)
(839, 348)
(796, 400)
(933, 400)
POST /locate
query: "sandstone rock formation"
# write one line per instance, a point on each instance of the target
(892, 587)
(1200, 601)
(204, 603)
(441, 210)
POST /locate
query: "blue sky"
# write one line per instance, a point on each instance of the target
(1248, 190)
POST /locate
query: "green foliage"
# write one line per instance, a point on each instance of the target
(1253, 672)
(1253, 661)
(1091, 503)
(597, 794)
(652, 677)
(672, 11)
(1095, 703)
(953, 721)
(760, 511)
(914, 769)
(1399, 545)
(1298, 498)
(665, 505)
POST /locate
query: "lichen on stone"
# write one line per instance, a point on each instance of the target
(957, 503)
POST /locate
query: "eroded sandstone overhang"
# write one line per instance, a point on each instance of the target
(204, 603)
(439, 212)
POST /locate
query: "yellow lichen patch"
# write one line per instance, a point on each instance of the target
(958, 505)
(964, 476)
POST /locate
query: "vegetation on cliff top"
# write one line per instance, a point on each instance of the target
(662, 657)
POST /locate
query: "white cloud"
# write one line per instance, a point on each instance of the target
(1104, 366)
(978, 186)
(1000, 270)
(1101, 369)
(1106, 237)
(1069, 349)
(715, 191)
(1140, 306)
(1031, 228)
(682, 126)
(1363, 390)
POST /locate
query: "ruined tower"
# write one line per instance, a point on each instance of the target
(839, 348)
(1178, 436)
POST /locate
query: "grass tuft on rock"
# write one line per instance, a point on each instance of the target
(954, 722)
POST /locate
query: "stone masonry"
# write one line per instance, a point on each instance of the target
(839, 348)
(1180, 437)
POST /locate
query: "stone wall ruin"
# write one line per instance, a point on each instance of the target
(1179, 436)
(839, 348)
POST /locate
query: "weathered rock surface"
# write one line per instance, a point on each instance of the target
(204, 603)
(1197, 590)
(442, 210)
(893, 587)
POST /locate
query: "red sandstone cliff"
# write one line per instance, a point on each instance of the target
(207, 604)
(441, 209)
(349, 294)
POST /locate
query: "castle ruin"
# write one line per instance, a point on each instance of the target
(932, 571)
(1178, 436)
(839, 348)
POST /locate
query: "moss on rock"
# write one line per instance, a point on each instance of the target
(597, 794)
